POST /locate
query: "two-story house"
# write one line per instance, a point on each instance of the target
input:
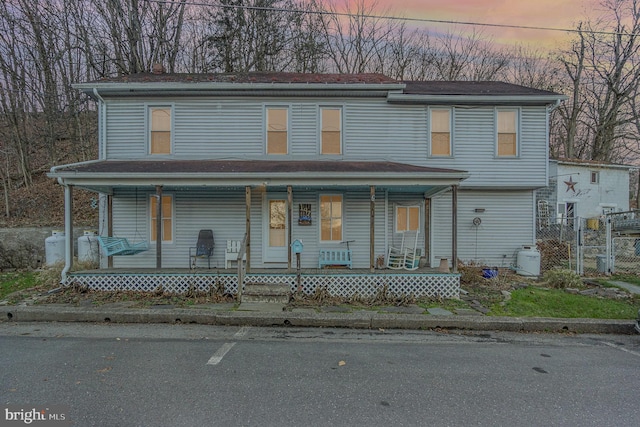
(358, 163)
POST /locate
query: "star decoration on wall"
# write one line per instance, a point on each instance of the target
(571, 184)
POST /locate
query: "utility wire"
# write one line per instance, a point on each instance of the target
(394, 18)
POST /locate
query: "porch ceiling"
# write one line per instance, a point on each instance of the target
(103, 176)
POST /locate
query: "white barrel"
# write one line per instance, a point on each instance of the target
(528, 261)
(54, 247)
(88, 248)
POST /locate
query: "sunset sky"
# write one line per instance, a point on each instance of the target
(532, 13)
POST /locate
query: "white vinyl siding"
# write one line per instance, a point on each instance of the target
(372, 129)
(506, 225)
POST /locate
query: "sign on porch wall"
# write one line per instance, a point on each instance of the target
(304, 214)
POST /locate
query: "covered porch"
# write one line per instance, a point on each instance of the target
(254, 182)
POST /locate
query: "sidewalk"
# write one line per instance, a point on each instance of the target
(337, 317)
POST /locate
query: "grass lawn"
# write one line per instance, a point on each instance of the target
(538, 302)
(16, 281)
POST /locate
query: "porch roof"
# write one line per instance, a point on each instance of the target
(104, 175)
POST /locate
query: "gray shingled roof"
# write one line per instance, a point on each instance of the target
(412, 87)
(253, 77)
(247, 166)
(469, 88)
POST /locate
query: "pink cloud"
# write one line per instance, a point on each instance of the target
(538, 13)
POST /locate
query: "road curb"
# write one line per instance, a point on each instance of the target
(356, 320)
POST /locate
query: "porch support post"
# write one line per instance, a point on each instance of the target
(454, 228)
(372, 228)
(158, 227)
(247, 202)
(427, 230)
(68, 232)
(290, 222)
(110, 225)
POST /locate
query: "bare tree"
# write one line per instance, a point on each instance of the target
(468, 57)
(354, 37)
(252, 35)
(603, 68)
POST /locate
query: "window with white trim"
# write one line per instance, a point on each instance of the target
(160, 130)
(440, 120)
(331, 130)
(277, 130)
(407, 218)
(595, 177)
(507, 132)
(331, 218)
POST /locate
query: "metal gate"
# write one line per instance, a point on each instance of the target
(608, 245)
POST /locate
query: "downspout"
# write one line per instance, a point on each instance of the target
(553, 106)
(102, 110)
(68, 231)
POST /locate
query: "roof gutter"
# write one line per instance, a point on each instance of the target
(555, 105)
(236, 88)
(53, 172)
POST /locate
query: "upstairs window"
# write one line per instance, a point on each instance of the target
(331, 218)
(595, 177)
(167, 218)
(331, 135)
(277, 131)
(507, 133)
(160, 130)
(441, 132)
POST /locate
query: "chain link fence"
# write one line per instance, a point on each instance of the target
(556, 241)
(591, 246)
(624, 257)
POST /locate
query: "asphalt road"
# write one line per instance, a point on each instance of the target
(196, 375)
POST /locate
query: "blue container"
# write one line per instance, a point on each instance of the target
(489, 273)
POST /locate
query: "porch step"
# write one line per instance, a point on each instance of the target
(266, 293)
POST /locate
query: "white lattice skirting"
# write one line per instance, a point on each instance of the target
(420, 285)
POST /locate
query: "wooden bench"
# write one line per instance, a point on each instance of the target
(231, 254)
(334, 257)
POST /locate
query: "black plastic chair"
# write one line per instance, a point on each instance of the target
(203, 249)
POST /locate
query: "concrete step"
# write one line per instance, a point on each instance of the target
(266, 293)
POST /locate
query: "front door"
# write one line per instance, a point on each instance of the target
(277, 230)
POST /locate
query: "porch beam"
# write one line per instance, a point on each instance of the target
(290, 222)
(247, 209)
(427, 230)
(110, 225)
(372, 228)
(158, 227)
(454, 228)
